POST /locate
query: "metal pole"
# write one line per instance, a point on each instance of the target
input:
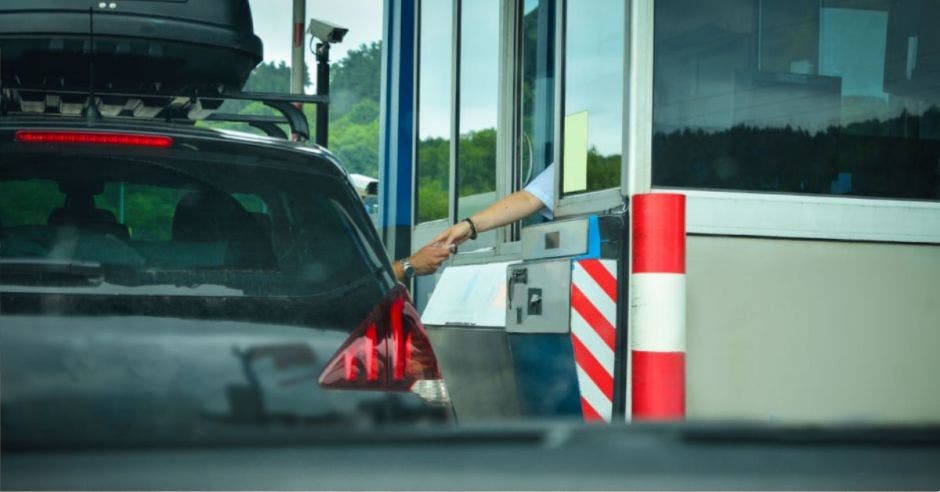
(297, 47)
(323, 89)
(297, 53)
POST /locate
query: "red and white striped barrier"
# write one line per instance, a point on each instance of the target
(594, 334)
(657, 307)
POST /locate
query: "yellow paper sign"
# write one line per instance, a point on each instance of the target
(576, 150)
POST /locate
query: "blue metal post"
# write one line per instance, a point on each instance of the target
(397, 127)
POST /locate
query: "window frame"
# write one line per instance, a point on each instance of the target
(710, 212)
(485, 246)
(609, 198)
(501, 244)
(419, 19)
(758, 214)
(786, 215)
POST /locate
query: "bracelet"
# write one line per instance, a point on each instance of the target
(473, 228)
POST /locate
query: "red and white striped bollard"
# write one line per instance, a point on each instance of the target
(657, 307)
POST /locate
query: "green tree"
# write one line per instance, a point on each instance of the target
(266, 77)
(354, 105)
(433, 178)
(355, 78)
(354, 138)
(477, 157)
(272, 77)
(603, 171)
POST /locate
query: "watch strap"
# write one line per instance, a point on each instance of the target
(407, 268)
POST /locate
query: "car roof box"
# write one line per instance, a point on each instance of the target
(138, 45)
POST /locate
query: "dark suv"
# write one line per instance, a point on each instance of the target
(162, 282)
(169, 284)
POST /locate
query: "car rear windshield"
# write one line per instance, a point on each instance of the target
(188, 222)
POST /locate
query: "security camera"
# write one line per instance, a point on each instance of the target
(326, 32)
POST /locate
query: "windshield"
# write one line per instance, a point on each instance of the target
(579, 217)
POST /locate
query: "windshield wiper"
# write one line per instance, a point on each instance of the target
(45, 271)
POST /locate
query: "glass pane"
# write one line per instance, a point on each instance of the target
(593, 95)
(186, 220)
(147, 211)
(479, 87)
(434, 110)
(538, 87)
(833, 97)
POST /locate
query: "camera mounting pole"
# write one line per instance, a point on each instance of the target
(326, 33)
(323, 89)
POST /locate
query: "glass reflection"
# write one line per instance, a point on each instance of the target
(479, 88)
(593, 95)
(434, 110)
(836, 97)
(538, 89)
(537, 93)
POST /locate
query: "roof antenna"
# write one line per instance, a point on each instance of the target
(91, 113)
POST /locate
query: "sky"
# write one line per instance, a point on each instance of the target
(595, 54)
(593, 76)
(272, 19)
(435, 77)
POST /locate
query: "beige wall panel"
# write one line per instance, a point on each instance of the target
(793, 330)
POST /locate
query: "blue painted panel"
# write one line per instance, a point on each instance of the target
(594, 240)
(386, 114)
(406, 112)
(546, 375)
(397, 133)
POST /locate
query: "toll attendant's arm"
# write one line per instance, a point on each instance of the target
(507, 210)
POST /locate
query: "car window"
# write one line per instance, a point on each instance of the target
(146, 210)
(162, 223)
(28, 201)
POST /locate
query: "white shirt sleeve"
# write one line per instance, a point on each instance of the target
(543, 188)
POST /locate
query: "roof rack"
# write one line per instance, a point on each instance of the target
(170, 107)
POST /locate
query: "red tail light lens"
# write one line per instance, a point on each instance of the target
(93, 138)
(389, 351)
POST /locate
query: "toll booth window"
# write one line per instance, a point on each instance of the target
(592, 122)
(831, 97)
(478, 91)
(537, 98)
(434, 115)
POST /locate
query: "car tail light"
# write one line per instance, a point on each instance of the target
(93, 138)
(388, 351)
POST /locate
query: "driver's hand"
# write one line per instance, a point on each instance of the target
(429, 258)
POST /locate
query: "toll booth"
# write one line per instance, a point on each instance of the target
(547, 324)
(811, 183)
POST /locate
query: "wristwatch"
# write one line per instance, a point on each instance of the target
(408, 269)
